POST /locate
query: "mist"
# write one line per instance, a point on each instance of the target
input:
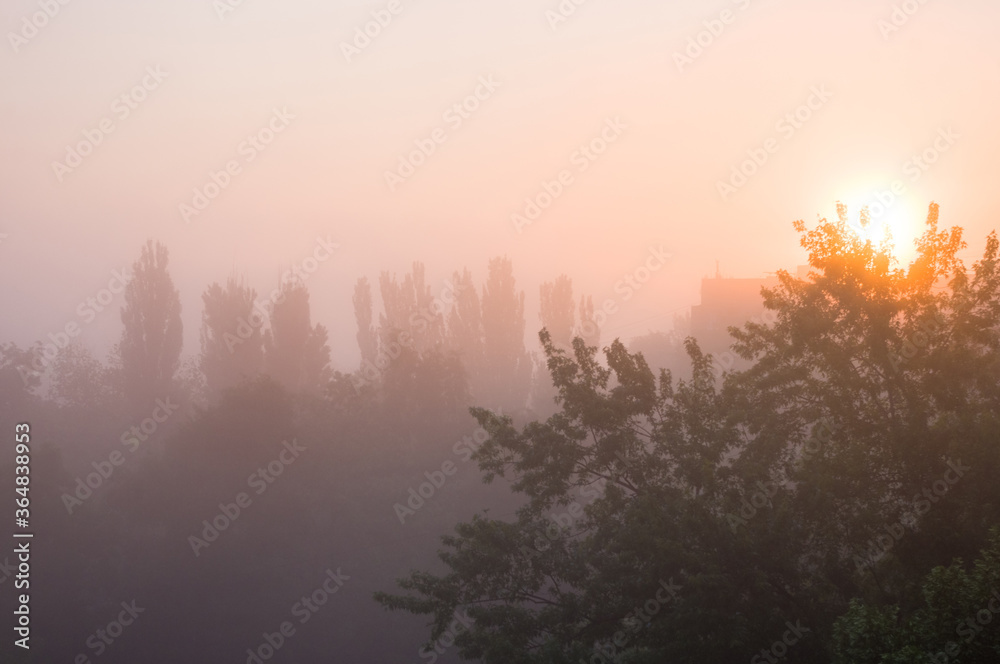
(350, 278)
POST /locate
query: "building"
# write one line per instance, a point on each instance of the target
(728, 302)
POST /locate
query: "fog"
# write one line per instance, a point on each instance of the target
(353, 120)
(345, 224)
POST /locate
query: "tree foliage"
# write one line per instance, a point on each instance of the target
(296, 351)
(232, 346)
(151, 341)
(857, 453)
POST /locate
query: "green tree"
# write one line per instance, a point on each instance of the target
(623, 509)
(954, 621)
(771, 496)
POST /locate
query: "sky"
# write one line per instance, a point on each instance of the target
(698, 129)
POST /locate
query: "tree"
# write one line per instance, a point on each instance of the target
(411, 316)
(232, 339)
(296, 352)
(950, 623)
(151, 342)
(559, 317)
(557, 310)
(80, 380)
(465, 331)
(588, 329)
(613, 484)
(367, 338)
(856, 454)
(900, 361)
(18, 382)
(504, 356)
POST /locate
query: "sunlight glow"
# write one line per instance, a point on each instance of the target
(897, 214)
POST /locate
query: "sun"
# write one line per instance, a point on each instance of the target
(888, 212)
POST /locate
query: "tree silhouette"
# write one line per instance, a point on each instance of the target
(410, 316)
(17, 381)
(504, 355)
(557, 310)
(232, 340)
(80, 380)
(855, 455)
(465, 330)
(151, 342)
(588, 330)
(367, 338)
(296, 352)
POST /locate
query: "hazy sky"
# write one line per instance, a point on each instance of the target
(879, 99)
